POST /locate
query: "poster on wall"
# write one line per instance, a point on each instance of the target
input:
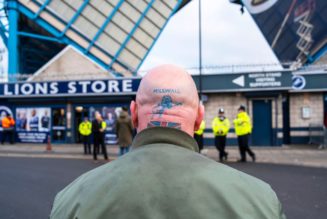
(109, 115)
(33, 124)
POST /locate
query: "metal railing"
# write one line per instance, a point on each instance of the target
(318, 135)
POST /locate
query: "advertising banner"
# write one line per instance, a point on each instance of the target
(33, 124)
(295, 29)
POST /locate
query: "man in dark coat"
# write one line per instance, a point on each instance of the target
(98, 128)
(124, 131)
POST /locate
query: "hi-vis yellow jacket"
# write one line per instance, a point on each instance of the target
(220, 127)
(85, 128)
(242, 124)
(201, 128)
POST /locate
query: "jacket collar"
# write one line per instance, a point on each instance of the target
(164, 135)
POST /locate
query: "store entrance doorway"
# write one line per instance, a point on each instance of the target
(80, 113)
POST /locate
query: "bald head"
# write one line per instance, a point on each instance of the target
(167, 96)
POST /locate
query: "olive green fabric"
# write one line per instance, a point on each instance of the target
(124, 130)
(164, 177)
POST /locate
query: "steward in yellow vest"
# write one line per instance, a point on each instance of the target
(85, 129)
(243, 129)
(198, 135)
(220, 128)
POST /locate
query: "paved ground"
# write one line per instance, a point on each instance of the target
(293, 155)
(28, 186)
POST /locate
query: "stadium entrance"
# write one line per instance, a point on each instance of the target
(80, 113)
(262, 122)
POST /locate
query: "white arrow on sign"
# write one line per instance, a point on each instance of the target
(239, 81)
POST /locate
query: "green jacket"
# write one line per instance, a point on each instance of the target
(164, 177)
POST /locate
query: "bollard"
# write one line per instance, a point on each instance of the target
(49, 147)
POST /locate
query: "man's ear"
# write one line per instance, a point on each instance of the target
(135, 119)
(199, 117)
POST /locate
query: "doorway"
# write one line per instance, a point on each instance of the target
(262, 123)
(80, 113)
(58, 125)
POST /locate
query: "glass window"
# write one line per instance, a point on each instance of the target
(59, 124)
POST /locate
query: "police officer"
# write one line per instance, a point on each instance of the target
(85, 129)
(220, 127)
(243, 129)
(98, 129)
(198, 135)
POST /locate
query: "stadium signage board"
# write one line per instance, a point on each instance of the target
(70, 88)
(243, 82)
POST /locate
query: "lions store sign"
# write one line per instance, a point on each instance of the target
(70, 88)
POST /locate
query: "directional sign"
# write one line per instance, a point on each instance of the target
(239, 81)
(255, 81)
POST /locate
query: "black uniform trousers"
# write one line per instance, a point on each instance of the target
(87, 144)
(243, 144)
(199, 140)
(220, 143)
(99, 141)
(7, 134)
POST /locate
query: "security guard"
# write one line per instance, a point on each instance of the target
(220, 127)
(198, 135)
(8, 126)
(85, 129)
(243, 129)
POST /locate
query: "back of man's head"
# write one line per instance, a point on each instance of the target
(167, 96)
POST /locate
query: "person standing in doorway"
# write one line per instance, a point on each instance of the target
(124, 131)
(198, 135)
(243, 130)
(8, 126)
(220, 127)
(85, 129)
(98, 129)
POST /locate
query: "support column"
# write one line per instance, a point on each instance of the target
(13, 54)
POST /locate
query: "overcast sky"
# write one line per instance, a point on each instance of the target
(228, 37)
